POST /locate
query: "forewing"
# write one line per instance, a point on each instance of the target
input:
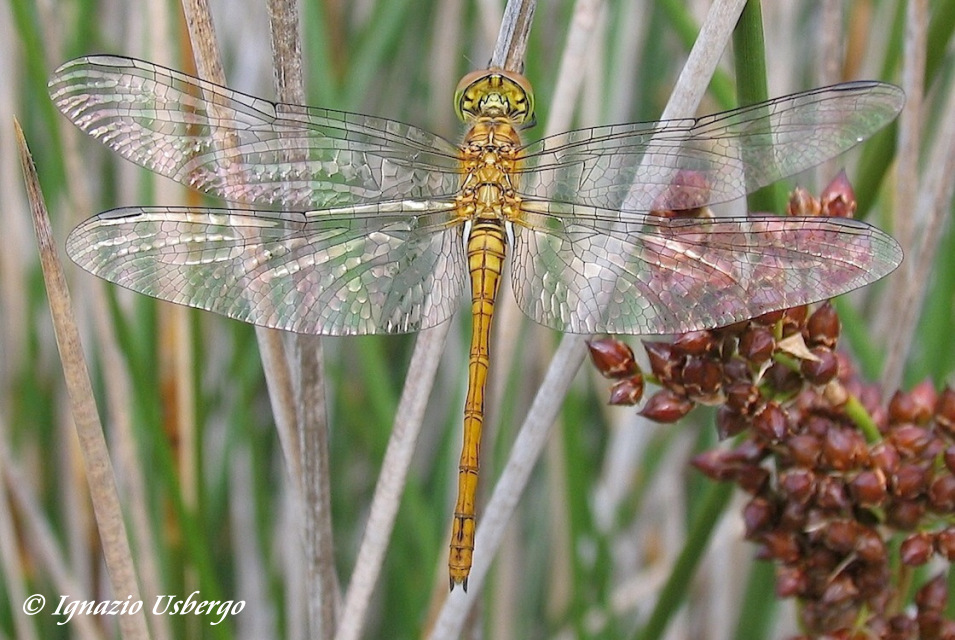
(679, 164)
(357, 270)
(245, 149)
(584, 272)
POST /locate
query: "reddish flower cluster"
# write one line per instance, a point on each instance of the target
(834, 474)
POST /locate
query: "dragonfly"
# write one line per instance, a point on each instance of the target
(346, 224)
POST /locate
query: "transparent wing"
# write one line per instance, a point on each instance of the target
(372, 269)
(716, 158)
(245, 149)
(581, 271)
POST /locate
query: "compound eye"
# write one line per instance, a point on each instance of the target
(505, 92)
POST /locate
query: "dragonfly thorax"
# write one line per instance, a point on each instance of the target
(495, 93)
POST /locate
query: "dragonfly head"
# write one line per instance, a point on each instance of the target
(495, 93)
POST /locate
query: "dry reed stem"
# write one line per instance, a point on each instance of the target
(296, 391)
(278, 376)
(89, 430)
(11, 559)
(39, 537)
(934, 200)
(391, 481)
(321, 581)
(898, 309)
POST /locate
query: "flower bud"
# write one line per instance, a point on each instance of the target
(694, 343)
(663, 360)
(729, 422)
(822, 328)
(916, 549)
(941, 494)
(666, 407)
(916, 406)
(933, 595)
(869, 488)
(843, 449)
(945, 543)
(702, 378)
(910, 481)
(781, 545)
(756, 344)
(838, 200)
(627, 392)
(840, 536)
(869, 546)
(612, 358)
(945, 411)
(904, 514)
(797, 485)
(801, 203)
(770, 422)
(758, 515)
(790, 581)
(804, 449)
(821, 370)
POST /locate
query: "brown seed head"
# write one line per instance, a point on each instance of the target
(869, 546)
(790, 581)
(802, 203)
(797, 485)
(831, 493)
(822, 328)
(781, 545)
(916, 406)
(933, 595)
(794, 319)
(945, 411)
(941, 494)
(663, 360)
(840, 536)
(758, 515)
(694, 343)
(770, 422)
(702, 378)
(627, 392)
(885, 457)
(843, 449)
(613, 358)
(838, 200)
(716, 464)
(805, 449)
(757, 344)
(904, 514)
(910, 480)
(916, 549)
(869, 487)
(945, 543)
(666, 407)
(821, 370)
